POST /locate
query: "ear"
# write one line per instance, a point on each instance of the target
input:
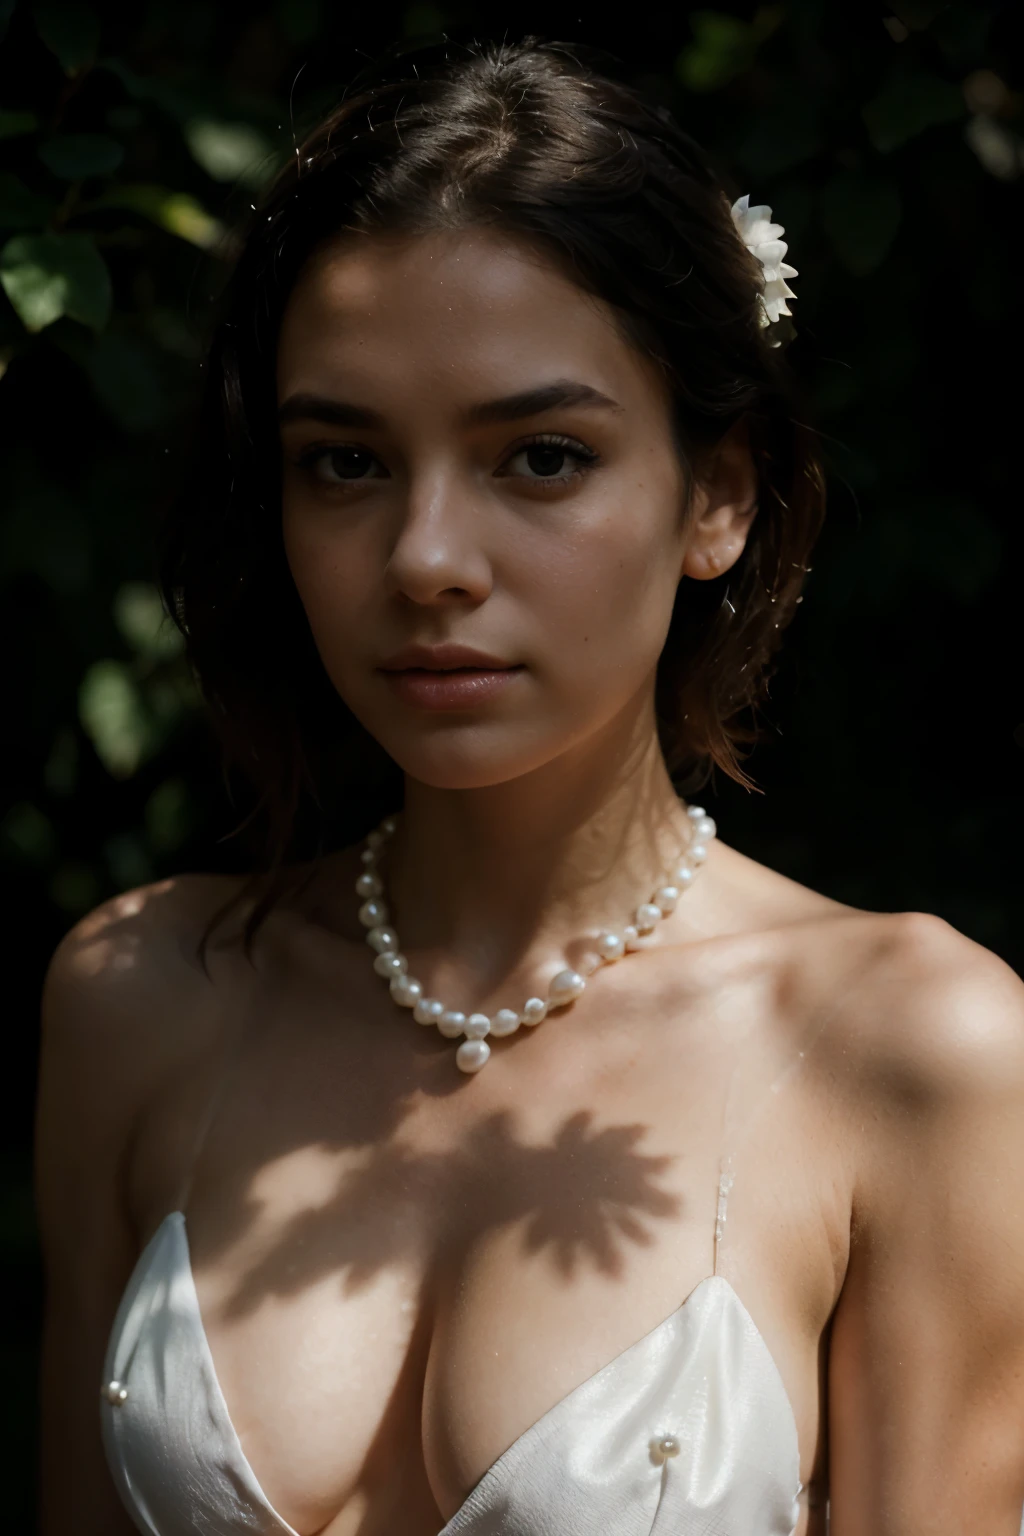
(725, 499)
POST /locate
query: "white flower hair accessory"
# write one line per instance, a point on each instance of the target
(762, 239)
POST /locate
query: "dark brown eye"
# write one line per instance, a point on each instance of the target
(554, 459)
(350, 463)
(546, 458)
(340, 464)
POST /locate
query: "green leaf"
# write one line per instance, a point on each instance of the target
(861, 215)
(126, 379)
(69, 29)
(228, 151)
(74, 155)
(176, 212)
(21, 208)
(46, 276)
(723, 46)
(114, 717)
(909, 106)
(140, 616)
(14, 124)
(720, 50)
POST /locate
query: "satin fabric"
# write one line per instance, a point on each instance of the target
(589, 1466)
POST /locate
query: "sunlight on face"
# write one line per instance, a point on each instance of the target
(472, 453)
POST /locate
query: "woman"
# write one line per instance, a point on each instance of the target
(500, 497)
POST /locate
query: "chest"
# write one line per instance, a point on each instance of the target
(399, 1271)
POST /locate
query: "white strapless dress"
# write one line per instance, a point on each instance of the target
(702, 1380)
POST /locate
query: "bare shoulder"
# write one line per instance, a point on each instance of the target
(126, 992)
(925, 1015)
(898, 996)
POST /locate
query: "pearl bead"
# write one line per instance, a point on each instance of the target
(634, 940)
(428, 1010)
(390, 964)
(115, 1393)
(564, 987)
(668, 1445)
(406, 991)
(373, 913)
(505, 1022)
(472, 1055)
(648, 916)
(611, 946)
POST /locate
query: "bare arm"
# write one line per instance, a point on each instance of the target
(116, 993)
(926, 1371)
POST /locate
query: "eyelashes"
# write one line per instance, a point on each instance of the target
(543, 457)
(357, 458)
(552, 445)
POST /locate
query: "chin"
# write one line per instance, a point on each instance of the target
(467, 756)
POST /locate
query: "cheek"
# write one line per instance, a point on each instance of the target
(602, 599)
(331, 580)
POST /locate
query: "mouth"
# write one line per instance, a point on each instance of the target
(450, 688)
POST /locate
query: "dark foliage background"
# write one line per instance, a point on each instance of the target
(890, 144)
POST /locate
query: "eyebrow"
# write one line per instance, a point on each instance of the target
(528, 402)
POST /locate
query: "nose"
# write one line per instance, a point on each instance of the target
(438, 554)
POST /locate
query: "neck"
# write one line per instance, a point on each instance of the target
(486, 884)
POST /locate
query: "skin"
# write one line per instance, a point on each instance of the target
(399, 1268)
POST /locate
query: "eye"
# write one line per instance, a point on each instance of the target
(550, 459)
(348, 462)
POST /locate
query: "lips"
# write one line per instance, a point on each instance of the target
(447, 657)
(450, 688)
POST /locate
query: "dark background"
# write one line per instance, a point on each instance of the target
(890, 143)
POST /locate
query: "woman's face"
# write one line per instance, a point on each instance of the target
(473, 455)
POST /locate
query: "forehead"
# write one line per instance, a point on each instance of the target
(460, 310)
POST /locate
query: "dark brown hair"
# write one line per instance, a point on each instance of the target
(533, 139)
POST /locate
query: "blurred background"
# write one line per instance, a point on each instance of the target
(889, 140)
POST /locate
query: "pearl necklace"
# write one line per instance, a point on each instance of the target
(565, 987)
